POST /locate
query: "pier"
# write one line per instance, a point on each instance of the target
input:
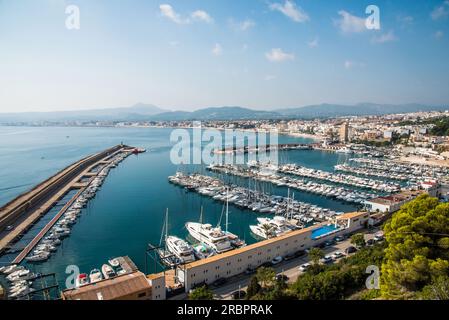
(265, 148)
(26, 209)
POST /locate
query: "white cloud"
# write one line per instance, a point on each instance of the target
(349, 23)
(168, 12)
(217, 50)
(198, 15)
(438, 34)
(242, 25)
(313, 43)
(386, 37)
(441, 11)
(291, 10)
(202, 16)
(277, 55)
(349, 64)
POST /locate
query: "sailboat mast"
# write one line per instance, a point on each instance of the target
(227, 210)
(166, 225)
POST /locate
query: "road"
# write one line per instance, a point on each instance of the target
(289, 268)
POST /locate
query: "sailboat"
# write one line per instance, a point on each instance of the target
(167, 258)
(236, 242)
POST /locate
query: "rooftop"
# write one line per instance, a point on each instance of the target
(110, 289)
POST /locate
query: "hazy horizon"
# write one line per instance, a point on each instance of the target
(190, 55)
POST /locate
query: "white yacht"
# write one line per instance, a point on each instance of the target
(180, 249)
(95, 276)
(213, 237)
(268, 228)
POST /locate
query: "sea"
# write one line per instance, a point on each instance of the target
(128, 212)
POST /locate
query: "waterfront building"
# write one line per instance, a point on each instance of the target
(132, 286)
(392, 203)
(344, 132)
(235, 262)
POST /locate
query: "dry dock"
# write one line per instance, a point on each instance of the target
(26, 209)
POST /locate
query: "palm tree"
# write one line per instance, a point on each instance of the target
(268, 230)
(315, 255)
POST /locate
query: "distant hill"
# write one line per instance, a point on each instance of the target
(335, 110)
(145, 112)
(134, 113)
(219, 113)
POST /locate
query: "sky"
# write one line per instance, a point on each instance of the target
(191, 54)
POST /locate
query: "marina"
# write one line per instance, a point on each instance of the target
(253, 200)
(327, 190)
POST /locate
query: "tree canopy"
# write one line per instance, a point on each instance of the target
(201, 293)
(418, 243)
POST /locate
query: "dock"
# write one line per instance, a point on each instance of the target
(23, 211)
(266, 148)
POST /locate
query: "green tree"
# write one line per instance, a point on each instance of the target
(417, 252)
(315, 255)
(437, 290)
(266, 277)
(253, 287)
(201, 293)
(358, 240)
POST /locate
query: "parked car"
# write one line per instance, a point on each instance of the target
(276, 260)
(329, 243)
(304, 267)
(281, 277)
(339, 238)
(219, 282)
(370, 242)
(326, 260)
(239, 294)
(350, 249)
(337, 255)
(289, 257)
(300, 253)
(9, 228)
(250, 271)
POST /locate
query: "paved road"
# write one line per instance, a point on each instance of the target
(289, 268)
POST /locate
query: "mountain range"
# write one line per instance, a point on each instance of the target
(146, 112)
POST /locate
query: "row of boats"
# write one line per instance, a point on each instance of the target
(331, 191)
(253, 200)
(20, 281)
(339, 178)
(413, 172)
(62, 228)
(108, 270)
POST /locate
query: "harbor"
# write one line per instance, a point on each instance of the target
(214, 212)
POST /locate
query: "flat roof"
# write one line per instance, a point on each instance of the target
(110, 289)
(264, 242)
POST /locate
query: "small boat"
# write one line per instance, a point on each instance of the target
(95, 276)
(38, 257)
(81, 280)
(10, 269)
(114, 262)
(107, 271)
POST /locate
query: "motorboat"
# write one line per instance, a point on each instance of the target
(213, 237)
(81, 280)
(107, 271)
(115, 262)
(180, 249)
(95, 276)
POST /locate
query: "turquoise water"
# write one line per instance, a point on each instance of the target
(321, 231)
(127, 212)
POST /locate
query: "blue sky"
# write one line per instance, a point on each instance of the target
(190, 54)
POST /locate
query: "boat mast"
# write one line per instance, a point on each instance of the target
(227, 210)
